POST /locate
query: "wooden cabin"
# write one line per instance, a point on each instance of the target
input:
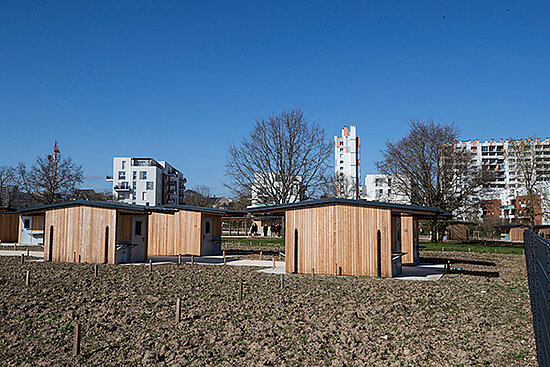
(9, 222)
(458, 230)
(92, 231)
(105, 232)
(543, 230)
(512, 232)
(187, 230)
(350, 237)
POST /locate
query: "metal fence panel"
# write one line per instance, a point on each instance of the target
(537, 258)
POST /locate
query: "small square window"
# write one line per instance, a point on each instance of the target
(121, 175)
(134, 175)
(123, 164)
(149, 185)
(143, 175)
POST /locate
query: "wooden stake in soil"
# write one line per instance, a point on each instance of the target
(79, 259)
(224, 258)
(282, 281)
(312, 273)
(442, 248)
(273, 262)
(192, 259)
(495, 251)
(27, 252)
(468, 249)
(74, 257)
(260, 255)
(95, 270)
(178, 310)
(76, 344)
(179, 259)
(28, 278)
(150, 265)
(240, 290)
(22, 259)
(335, 269)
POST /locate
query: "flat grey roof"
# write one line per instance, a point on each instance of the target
(132, 207)
(405, 207)
(100, 204)
(204, 209)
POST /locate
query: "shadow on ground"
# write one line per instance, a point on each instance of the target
(446, 260)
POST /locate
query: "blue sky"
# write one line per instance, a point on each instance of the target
(178, 80)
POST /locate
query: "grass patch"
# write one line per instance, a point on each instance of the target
(253, 242)
(463, 247)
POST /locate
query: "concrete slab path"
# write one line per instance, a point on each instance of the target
(421, 272)
(39, 254)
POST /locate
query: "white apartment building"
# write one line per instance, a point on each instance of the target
(505, 188)
(379, 187)
(145, 181)
(268, 184)
(347, 161)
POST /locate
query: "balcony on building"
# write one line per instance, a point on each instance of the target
(122, 187)
(145, 162)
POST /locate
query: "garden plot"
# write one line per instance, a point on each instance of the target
(127, 315)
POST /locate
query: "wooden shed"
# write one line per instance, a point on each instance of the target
(458, 230)
(350, 237)
(512, 232)
(93, 231)
(543, 230)
(186, 230)
(9, 222)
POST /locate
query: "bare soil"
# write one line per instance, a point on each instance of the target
(481, 317)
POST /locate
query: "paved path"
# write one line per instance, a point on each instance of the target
(22, 252)
(422, 272)
(267, 265)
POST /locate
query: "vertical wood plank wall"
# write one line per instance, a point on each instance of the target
(9, 223)
(458, 232)
(80, 230)
(216, 224)
(338, 234)
(407, 239)
(123, 228)
(516, 234)
(175, 233)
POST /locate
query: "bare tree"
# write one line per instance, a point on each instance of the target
(7, 187)
(532, 173)
(48, 181)
(430, 169)
(340, 186)
(89, 194)
(199, 196)
(283, 160)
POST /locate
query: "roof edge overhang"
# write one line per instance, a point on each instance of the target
(98, 204)
(207, 210)
(416, 210)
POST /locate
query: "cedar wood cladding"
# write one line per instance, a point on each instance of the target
(339, 234)
(9, 223)
(409, 234)
(180, 232)
(516, 234)
(80, 230)
(175, 233)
